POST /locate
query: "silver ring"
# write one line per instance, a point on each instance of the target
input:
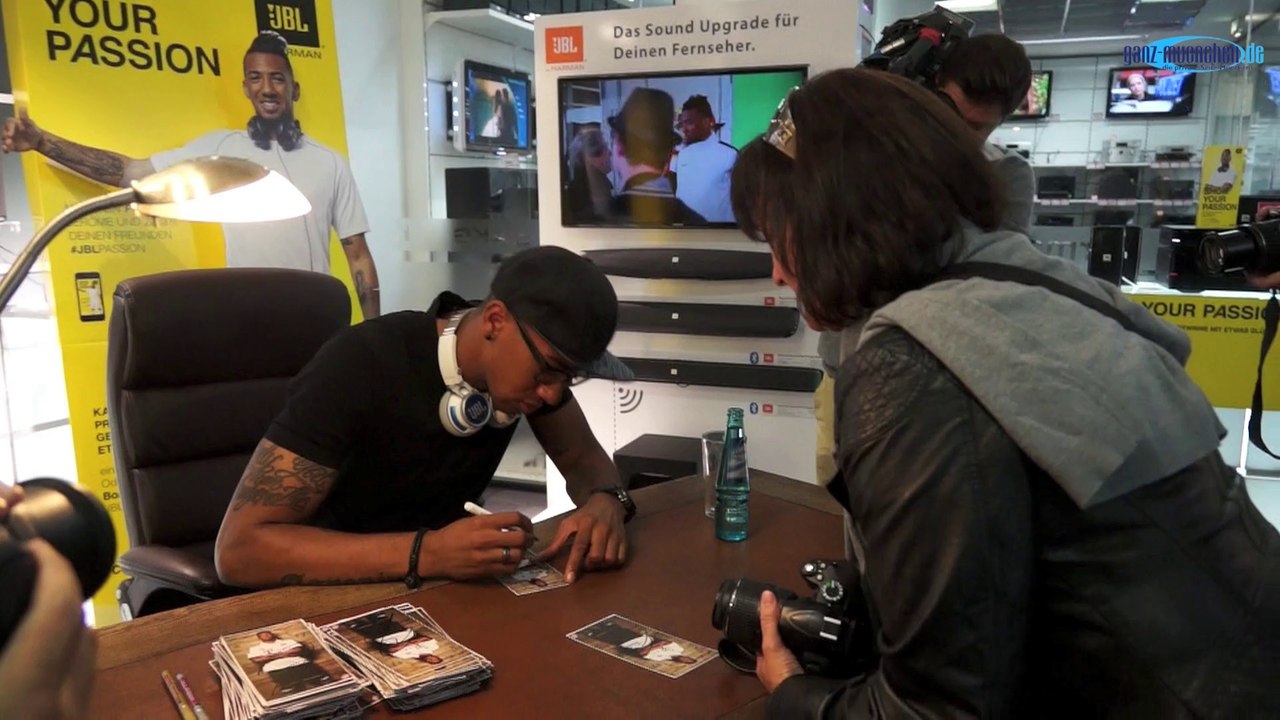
(506, 554)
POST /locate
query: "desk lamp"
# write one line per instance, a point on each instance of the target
(207, 189)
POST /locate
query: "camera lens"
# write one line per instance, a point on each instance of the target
(73, 522)
(1228, 251)
(736, 610)
(724, 598)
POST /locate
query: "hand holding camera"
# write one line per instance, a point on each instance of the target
(828, 634)
(47, 654)
(775, 663)
(1264, 282)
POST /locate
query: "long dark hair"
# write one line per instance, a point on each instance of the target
(884, 174)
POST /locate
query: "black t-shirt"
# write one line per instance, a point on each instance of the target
(368, 405)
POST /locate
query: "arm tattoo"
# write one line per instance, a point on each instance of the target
(300, 579)
(271, 482)
(347, 241)
(362, 286)
(101, 165)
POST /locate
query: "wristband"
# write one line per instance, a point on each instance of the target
(411, 579)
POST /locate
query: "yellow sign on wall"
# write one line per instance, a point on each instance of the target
(1226, 334)
(1221, 175)
(139, 79)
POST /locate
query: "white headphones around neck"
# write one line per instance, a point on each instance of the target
(463, 409)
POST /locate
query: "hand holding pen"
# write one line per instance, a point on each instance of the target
(486, 545)
(478, 511)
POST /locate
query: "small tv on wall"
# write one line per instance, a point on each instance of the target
(1266, 100)
(655, 150)
(496, 104)
(1035, 105)
(1150, 93)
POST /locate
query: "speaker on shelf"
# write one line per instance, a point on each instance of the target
(1114, 251)
(480, 193)
(1055, 220)
(1056, 187)
(651, 459)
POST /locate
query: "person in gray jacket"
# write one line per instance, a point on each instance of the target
(983, 79)
(1042, 520)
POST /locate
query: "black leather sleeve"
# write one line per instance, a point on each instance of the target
(942, 508)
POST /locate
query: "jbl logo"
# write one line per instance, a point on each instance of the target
(564, 45)
(285, 18)
(294, 19)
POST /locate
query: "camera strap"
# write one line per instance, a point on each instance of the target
(1023, 276)
(1270, 319)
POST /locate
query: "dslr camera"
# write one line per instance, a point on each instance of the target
(829, 633)
(1252, 247)
(71, 520)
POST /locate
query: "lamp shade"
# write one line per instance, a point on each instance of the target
(221, 190)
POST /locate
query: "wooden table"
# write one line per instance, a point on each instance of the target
(675, 566)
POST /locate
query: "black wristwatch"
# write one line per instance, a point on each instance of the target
(628, 505)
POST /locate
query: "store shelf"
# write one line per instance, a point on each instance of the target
(1181, 165)
(1113, 202)
(487, 23)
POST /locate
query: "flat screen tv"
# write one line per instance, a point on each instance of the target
(1036, 105)
(496, 104)
(1266, 100)
(1150, 93)
(655, 151)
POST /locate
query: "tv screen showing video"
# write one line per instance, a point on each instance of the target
(1036, 104)
(497, 107)
(1148, 92)
(657, 150)
(1266, 99)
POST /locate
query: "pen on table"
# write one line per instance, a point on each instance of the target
(478, 511)
(183, 708)
(190, 695)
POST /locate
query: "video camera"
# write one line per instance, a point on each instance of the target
(828, 633)
(68, 518)
(1251, 247)
(916, 47)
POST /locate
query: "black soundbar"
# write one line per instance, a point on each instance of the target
(703, 319)
(714, 374)
(683, 263)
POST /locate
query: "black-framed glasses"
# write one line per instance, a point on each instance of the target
(547, 375)
(782, 128)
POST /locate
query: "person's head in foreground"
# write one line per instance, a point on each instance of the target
(863, 210)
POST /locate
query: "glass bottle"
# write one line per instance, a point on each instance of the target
(733, 485)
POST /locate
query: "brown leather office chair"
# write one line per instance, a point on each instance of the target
(198, 365)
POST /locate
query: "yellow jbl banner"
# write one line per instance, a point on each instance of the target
(140, 79)
(1221, 175)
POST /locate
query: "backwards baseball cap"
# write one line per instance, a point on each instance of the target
(568, 301)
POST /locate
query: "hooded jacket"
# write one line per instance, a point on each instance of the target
(1041, 517)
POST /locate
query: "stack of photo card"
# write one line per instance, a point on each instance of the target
(284, 672)
(410, 659)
